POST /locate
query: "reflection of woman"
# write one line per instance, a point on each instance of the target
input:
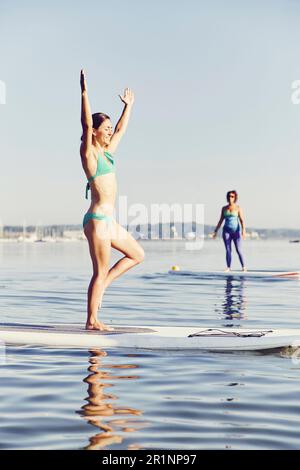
(234, 305)
(233, 216)
(100, 410)
(99, 142)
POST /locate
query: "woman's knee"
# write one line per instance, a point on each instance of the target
(100, 275)
(139, 255)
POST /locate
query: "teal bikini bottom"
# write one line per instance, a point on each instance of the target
(97, 216)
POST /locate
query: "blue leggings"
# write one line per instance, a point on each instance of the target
(228, 237)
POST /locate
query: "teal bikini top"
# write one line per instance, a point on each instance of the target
(103, 167)
(228, 213)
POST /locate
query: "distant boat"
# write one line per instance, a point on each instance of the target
(294, 241)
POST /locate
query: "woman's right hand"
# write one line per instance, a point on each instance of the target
(214, 234)
(82, 81)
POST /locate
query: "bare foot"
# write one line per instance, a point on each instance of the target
(97, 325)
(245, 269)
(227, 270)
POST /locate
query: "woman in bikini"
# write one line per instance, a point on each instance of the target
(99, 143)
(233, 216)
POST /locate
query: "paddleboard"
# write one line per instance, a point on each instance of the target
(151, 338)
(246, 274)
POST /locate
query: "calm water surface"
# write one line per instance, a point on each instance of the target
(128, 399)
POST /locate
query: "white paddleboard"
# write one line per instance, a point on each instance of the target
(153, 338)
(246, 274)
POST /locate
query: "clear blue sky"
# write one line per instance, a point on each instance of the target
(213, 107)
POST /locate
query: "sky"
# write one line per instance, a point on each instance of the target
(213, 109)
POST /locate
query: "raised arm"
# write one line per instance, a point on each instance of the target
(128, 100)
(219, 223)
(241, 217)
(86, 119)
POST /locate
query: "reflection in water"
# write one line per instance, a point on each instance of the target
(100, 404)
(235, 301)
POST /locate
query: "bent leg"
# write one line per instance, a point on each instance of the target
(100, 250)
(237, 243)
(227, 242)
(124, 242)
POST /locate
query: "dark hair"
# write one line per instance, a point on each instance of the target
(98, 119)
(232, 192)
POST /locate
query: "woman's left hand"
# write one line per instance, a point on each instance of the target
(128, 97)
(244, 235)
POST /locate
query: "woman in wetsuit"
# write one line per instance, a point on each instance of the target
(234, 219)
(99, 143)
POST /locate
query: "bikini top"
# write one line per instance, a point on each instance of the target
(228, 213)
(103, 167)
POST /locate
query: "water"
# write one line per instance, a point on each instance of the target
(116, 399)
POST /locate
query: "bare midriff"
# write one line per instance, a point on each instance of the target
(103, 194)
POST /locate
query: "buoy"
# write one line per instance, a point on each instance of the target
(175, 268)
